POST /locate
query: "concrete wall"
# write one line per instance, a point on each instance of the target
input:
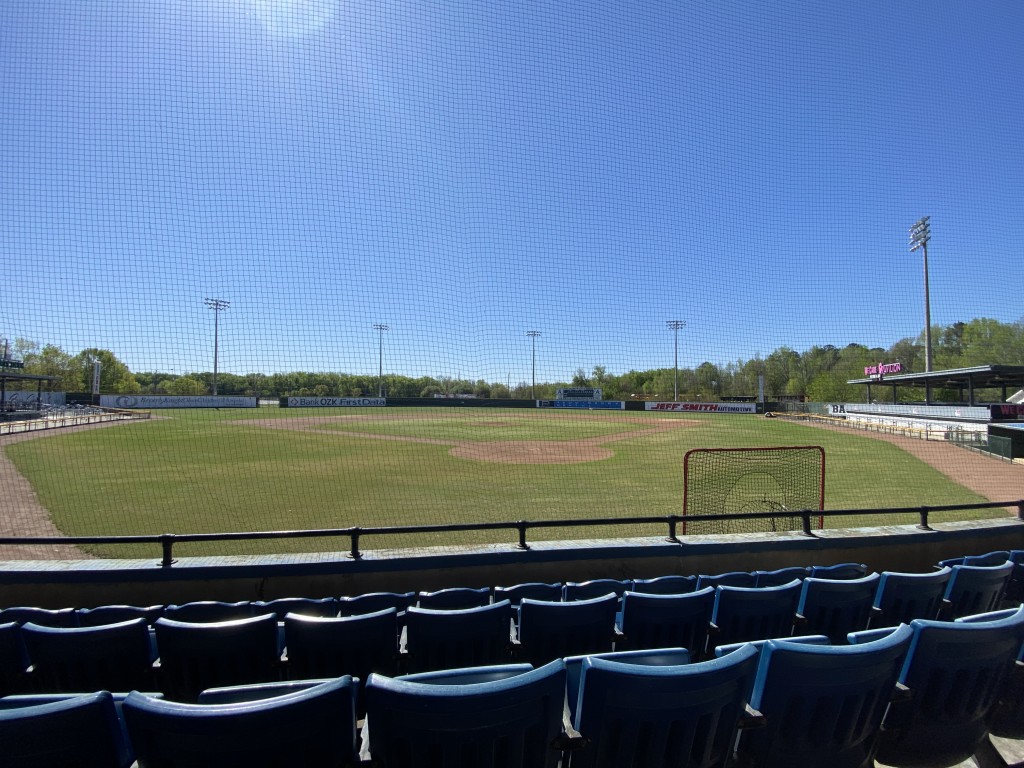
(145, 582)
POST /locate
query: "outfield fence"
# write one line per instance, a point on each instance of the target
(355, 535)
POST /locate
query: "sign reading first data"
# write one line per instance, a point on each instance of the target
(333, 402)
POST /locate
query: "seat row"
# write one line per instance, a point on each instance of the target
(917, 694)
(182, 658)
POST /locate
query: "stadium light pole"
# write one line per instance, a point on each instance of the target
(675, 325)
(218, 306)
(920, 234)
(380, 328)
(533, 340)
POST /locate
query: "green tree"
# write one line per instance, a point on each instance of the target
(115, 377)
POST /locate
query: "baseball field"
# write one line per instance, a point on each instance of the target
(192, 471)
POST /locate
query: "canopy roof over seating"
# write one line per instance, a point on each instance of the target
(8, 374)
(967, 381)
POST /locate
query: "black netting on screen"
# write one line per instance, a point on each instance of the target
(359, 209)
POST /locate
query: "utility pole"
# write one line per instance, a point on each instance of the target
(218, 306)
(920, 234)
(380, 328)
(675, 325)
(533, 339)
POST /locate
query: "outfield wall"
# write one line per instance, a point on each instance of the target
(84, 583)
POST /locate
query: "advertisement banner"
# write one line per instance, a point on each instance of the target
(333, 402)
(592, 405)
(703, 407)
(1007, 412)
(175, 401)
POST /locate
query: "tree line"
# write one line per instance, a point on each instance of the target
(818, 374)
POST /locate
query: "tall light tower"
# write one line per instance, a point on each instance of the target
(380, 328)
(218, 306)
(920, 234)
(533, 339)
(675, 325)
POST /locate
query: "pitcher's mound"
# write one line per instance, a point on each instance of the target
(532, 452)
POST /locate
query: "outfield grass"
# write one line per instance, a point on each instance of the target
(206, 471)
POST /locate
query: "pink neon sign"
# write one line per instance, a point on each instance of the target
(882, 368)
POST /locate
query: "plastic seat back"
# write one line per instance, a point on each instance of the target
(372, 602)
(112, 657)
(730, 579)
(976, 588)
(841, 571)
(836, 607)
(988, 559)
(823, 705)
(208, 611)
(315, 726)
(588, 590)
(194, 657)
(14, 660)
(460, 638)
(1015, 586)
(781, 576)
(742, 614)
(1007, 717)
(955, 672)
(509, 723)
(653, 657)
(532, 590)
(665, 585)
(468, 675)
(667, 621)
(549, 631)
(46, 617)
(352, 645)
(672, 715)
(454, 598)
(81, 731)
(324, 607)
(903, 597)
(115, 614)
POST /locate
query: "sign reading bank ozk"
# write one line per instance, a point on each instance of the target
(335, 402)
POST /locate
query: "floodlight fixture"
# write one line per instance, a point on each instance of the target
(920, 234)
(218, 306)
(675, 325)
(380, 328)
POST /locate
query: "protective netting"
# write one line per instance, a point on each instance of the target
(218, 203)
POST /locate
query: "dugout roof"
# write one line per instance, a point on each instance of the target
(1006, 378)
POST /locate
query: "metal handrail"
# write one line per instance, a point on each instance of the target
(356, 533)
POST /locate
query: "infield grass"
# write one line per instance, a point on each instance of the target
(195, 471)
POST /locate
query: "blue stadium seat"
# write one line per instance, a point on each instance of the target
(780, 576)
(196, 656)
(208, 611)
(549, 630)
(46, 617)
(533, 590)
(955, 672)
(112, 657)
(14, 661)
(976, 589)
(315, 726)
(457, 638)
(468, 675)
(639, 715)
(1007, 717)
(724, 650)
(237, 694)
(730, 579)
(454, 598)
(510, 723)
(667, 621)
(743, 613)
(903, 597)
(839, 571)
(325, 607)
(348, 645)
(587, 590)
(80, 731)
(823, 705)
(989, 558)
(372, 602)
(835, 607)
(115, 614)
(656, 657)
(1015, 586)
(665, 585)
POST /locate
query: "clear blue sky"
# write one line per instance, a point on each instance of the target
(466, 171)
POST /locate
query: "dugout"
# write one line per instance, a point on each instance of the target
(7, 375)
(1007, 379)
